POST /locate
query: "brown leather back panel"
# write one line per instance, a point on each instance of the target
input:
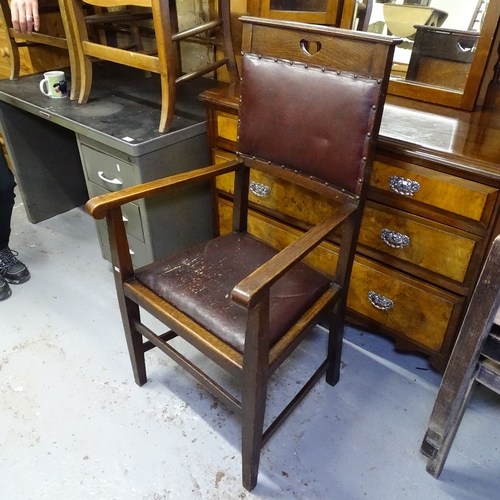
(315, 121)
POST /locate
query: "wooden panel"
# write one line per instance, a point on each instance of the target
(452, 194)
(421, 313)
(440, 73)
(370, 58)
(227, 125)
(436, 247)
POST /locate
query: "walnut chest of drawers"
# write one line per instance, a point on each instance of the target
(429, 218)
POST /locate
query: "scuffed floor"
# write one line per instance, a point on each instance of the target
(74, 426)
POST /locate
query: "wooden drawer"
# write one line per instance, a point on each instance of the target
(421, 314)
(434, 189)
(226, 126)
(432, 246)
(107, 171)
(413, 310)
(279, 195)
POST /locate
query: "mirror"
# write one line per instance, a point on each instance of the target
(445, 49)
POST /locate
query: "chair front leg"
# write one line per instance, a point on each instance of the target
(342, 277)
(130, 313)
(254, 389)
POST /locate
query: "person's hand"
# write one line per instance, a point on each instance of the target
(24, 14)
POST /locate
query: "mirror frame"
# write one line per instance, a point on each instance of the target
(465, 99)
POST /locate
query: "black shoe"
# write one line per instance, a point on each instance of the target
(12, 270)
(5, 291)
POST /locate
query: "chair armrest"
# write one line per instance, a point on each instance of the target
(247, 292)
(100, 205)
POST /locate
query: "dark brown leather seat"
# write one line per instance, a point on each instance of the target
(237, 300)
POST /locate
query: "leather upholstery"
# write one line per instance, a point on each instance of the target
(217, 266)
(330, 136)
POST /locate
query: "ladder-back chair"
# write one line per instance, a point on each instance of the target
(237, 300)
(474, 359)
(166, 60)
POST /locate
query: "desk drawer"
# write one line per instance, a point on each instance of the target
(107, 171)
(130, 211)
(427, 244)
(413, 310)
(138, 249)
(434, 189)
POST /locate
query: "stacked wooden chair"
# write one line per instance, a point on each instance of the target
(166, 60)
(310, 117)
(58, 39)
(475, 359)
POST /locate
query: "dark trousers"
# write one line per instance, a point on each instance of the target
(7, 185)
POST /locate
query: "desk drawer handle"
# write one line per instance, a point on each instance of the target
(379, 301)
(402, 186)
(101, 175)
(393, 239)
(260, 190)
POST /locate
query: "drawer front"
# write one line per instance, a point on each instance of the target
(458, 196)
(412, 309)
(427, 244)
(280, 196)
(226, 126)
(130, 211)
(138, 249)
(107, 171)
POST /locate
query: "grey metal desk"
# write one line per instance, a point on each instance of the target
(63, 153)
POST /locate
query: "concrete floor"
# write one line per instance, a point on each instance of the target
(74, 426)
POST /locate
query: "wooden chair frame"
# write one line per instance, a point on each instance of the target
(166, 62)
(259, 359)
(15, 40)
(475, 359)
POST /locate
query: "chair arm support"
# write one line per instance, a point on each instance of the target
(248, 291)
(100, 205)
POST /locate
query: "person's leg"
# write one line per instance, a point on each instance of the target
(11, 269)
(7, 185)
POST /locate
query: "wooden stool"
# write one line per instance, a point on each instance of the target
(166, 62)
(475, 358)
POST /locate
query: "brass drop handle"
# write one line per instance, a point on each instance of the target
(260, 190)
(402, 186)
(394, 239)
(379, 301)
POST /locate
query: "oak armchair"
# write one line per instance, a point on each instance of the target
(240, 302)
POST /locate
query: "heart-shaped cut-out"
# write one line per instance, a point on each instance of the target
(310, 48)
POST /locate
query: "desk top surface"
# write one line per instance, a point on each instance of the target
(123, 110)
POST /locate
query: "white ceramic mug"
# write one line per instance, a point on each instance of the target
(54, 85)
